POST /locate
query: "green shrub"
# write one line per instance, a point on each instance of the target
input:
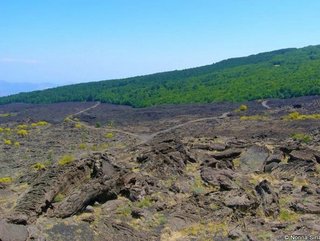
(5, 179)
(265, 236)
(82, 146)
(38, 166)
(58, 198)
(242, 108)
(287, 215)
(198, 186)
(145, 203)
(4, 115)
(109, 135)
(78, 126)
(68, 119)
(302, 137)
(66, 159)
(22, 126)
(7, 142)
(39, 123)
(157, 220)
(254, 118)
(124, 210)
(297, 116)
(236, 162)
(22, 133)
(7, 130)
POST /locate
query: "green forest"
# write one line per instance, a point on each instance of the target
(283, 73)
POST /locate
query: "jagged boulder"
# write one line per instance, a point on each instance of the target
(83, 182)
(239, 200)
(253, 158)
(228, 154)
(13, 232)
(273, 161)
(311, 208)
(287, 171)
(218, 173)
(165, 158)
(135, 186)
(268, 198)
(302, 155)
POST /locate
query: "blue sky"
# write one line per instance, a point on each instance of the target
(68, 41)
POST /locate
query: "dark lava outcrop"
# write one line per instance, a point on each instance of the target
(172, 189)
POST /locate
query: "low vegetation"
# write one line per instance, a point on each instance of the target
(22, 127)
(82, 146)
(22, 133)
(39, 123)
(38, 166)
(66, 159)
(109, 135)
(78, 126)
(4, 115)
(287, 215)
(242, 108)
(302, 137)
(254, 118)
(145, 203)
(297, 116)
(5, 130)
(59, 198)
(5, 179)
(236, 162)
(205, 229)
(299, 181)
(124, 210)
(7, 142)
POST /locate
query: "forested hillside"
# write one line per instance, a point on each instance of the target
(278, 74)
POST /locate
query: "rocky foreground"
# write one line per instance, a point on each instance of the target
(190, 189)
(233, 177)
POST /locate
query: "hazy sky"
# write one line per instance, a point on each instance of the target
(64, 41)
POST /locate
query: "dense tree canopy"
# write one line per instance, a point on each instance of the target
(279, 74)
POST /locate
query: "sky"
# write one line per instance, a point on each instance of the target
(70, 41)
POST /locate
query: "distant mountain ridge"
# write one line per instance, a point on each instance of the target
(8, 88)
(282, 73)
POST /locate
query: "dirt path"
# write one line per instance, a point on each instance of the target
(265, 104)
(224, 115)
(143, 137)
(87, 109)
(147, 137)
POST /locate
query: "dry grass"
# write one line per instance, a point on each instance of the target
(38, 166)
(302, 137)
(59, 198)
(256, 178)
(66, 159)
(300, 181)
(254, 118)
(5, 179)
(297, 116)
